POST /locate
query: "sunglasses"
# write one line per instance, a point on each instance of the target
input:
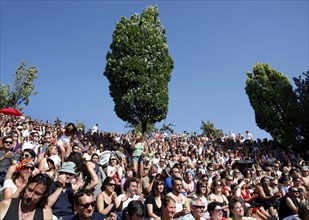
(26, 155)
(27, 168)
(217, 210)
(36, 136)
(8, 142)
(295, 191)
(113, 158)
(85, 206)
(199, 206)
(218, 185)
(112, 184)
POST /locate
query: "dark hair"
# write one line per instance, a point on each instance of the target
(212, 206)
(94, 154)
(43, 179)
(80, 193)
(128, 182)
(136, 207)
(176, 178)
(106, 181)
(199, 185)
(31, 152)
(5, 138)
(155, 185)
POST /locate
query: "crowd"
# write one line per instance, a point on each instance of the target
(58, 171)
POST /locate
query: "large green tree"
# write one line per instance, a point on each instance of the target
(274, 103)
(302, 93)
(139, 69)
(23, 88)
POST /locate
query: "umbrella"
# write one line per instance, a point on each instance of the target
(10, 111)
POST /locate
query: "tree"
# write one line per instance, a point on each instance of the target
(139, 69)
(274, 103)
(302, 93)
(22, 90)
(210, 130)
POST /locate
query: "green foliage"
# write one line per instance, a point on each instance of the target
(302, 93)
(23, 88)
(139, 68)
(138, 127)
(274, 103)
(210, 130)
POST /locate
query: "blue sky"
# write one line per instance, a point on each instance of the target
(213, 45)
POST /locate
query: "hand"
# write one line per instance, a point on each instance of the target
(61, 180)
(141, 197)
(184, 212)
(8, 155)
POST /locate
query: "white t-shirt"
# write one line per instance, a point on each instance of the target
(126, 203)
(8, 183)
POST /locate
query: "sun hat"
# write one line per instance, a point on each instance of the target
(55, 159)
(24, 162)
(68, 167)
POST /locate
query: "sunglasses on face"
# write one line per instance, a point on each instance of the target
(295, 191)
(26, 155)
(85, 206)
(112, 184)
(218, 210)
(28, 168)
(8, 142)
(199, 206)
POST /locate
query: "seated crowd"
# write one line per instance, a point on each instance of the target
(56, 171)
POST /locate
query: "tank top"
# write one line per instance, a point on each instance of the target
(12, 212)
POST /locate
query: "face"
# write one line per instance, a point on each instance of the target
(111, 186)
(133, 188)
(67, 177)
(8, 143)
(85, 206)
(113, 161)
(26, 155)
(95, 159)
(177, 186)
(198, 209)
(27, 170)
(160, 187)
(217, 213)
(170, 209)
(238, 209)
(33, 194)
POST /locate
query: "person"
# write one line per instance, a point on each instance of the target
(131, 190)
(215, 210)
(197, 208)
(115, 170)
(13, 186)
(168, 208)
(201, 193)
(216, 195)
(7, 157)
(154, 199)
(84, 206)
(107, 202)
(33, 143)
(135, 211)
(31, 203)
(237, 210)
(175, 172)
(289, 203)
(148, 180)
(87, 177)
(191, 183)
(266, 196)
(138, 148)
(182, 203)
(62, 192)
(66, 137)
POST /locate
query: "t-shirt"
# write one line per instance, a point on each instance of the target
(8, 183)
(126, 203)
